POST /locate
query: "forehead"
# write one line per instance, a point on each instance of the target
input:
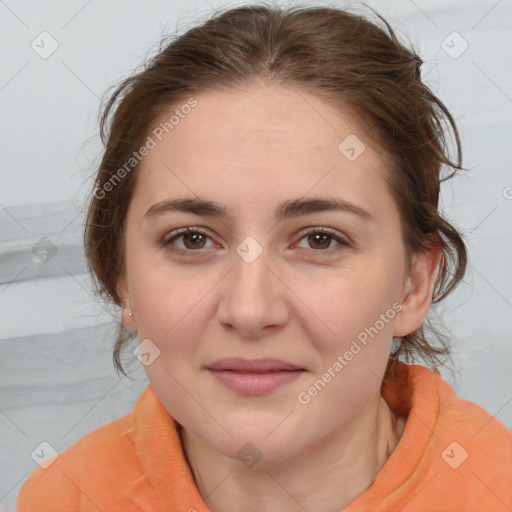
(278, 115)
(258, 144)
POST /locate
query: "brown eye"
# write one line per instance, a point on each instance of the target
(320, 239)
(192, 239)
(196, 240)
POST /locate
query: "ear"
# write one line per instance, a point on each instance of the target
(417, 293)
(122, 289)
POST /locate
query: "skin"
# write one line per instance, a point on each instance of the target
(250, 150)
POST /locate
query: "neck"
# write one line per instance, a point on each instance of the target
(327, 476)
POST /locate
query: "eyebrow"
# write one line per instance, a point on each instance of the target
(286, 210)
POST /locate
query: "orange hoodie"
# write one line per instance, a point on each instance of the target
(453, 456)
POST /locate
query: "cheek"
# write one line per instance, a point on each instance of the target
(343, 304)
(167, 299)
(353, 341)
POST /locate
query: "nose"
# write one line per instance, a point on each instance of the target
(253, 297)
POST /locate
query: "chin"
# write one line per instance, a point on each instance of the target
(256, 447)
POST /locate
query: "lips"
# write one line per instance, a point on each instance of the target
(254, 377)
(252, 366)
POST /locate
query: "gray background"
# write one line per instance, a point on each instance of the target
(57, 381)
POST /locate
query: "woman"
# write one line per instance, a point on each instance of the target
(266, 216)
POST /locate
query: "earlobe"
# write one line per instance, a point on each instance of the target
(418, 291)
(128, 317)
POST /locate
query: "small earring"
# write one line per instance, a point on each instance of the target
(130, 314)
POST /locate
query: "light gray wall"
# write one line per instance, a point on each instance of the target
(56, 377)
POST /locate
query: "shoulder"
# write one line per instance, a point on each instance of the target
(470, 450)
(475, 432)
(464, 416)
(453, 454)
(97, 465)
(459, 418)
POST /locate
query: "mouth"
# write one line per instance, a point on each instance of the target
(254, 377)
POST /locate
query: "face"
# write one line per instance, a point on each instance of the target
(318, 289)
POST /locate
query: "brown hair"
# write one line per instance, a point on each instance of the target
(340, 56)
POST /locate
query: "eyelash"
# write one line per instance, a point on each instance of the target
(342, 241)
